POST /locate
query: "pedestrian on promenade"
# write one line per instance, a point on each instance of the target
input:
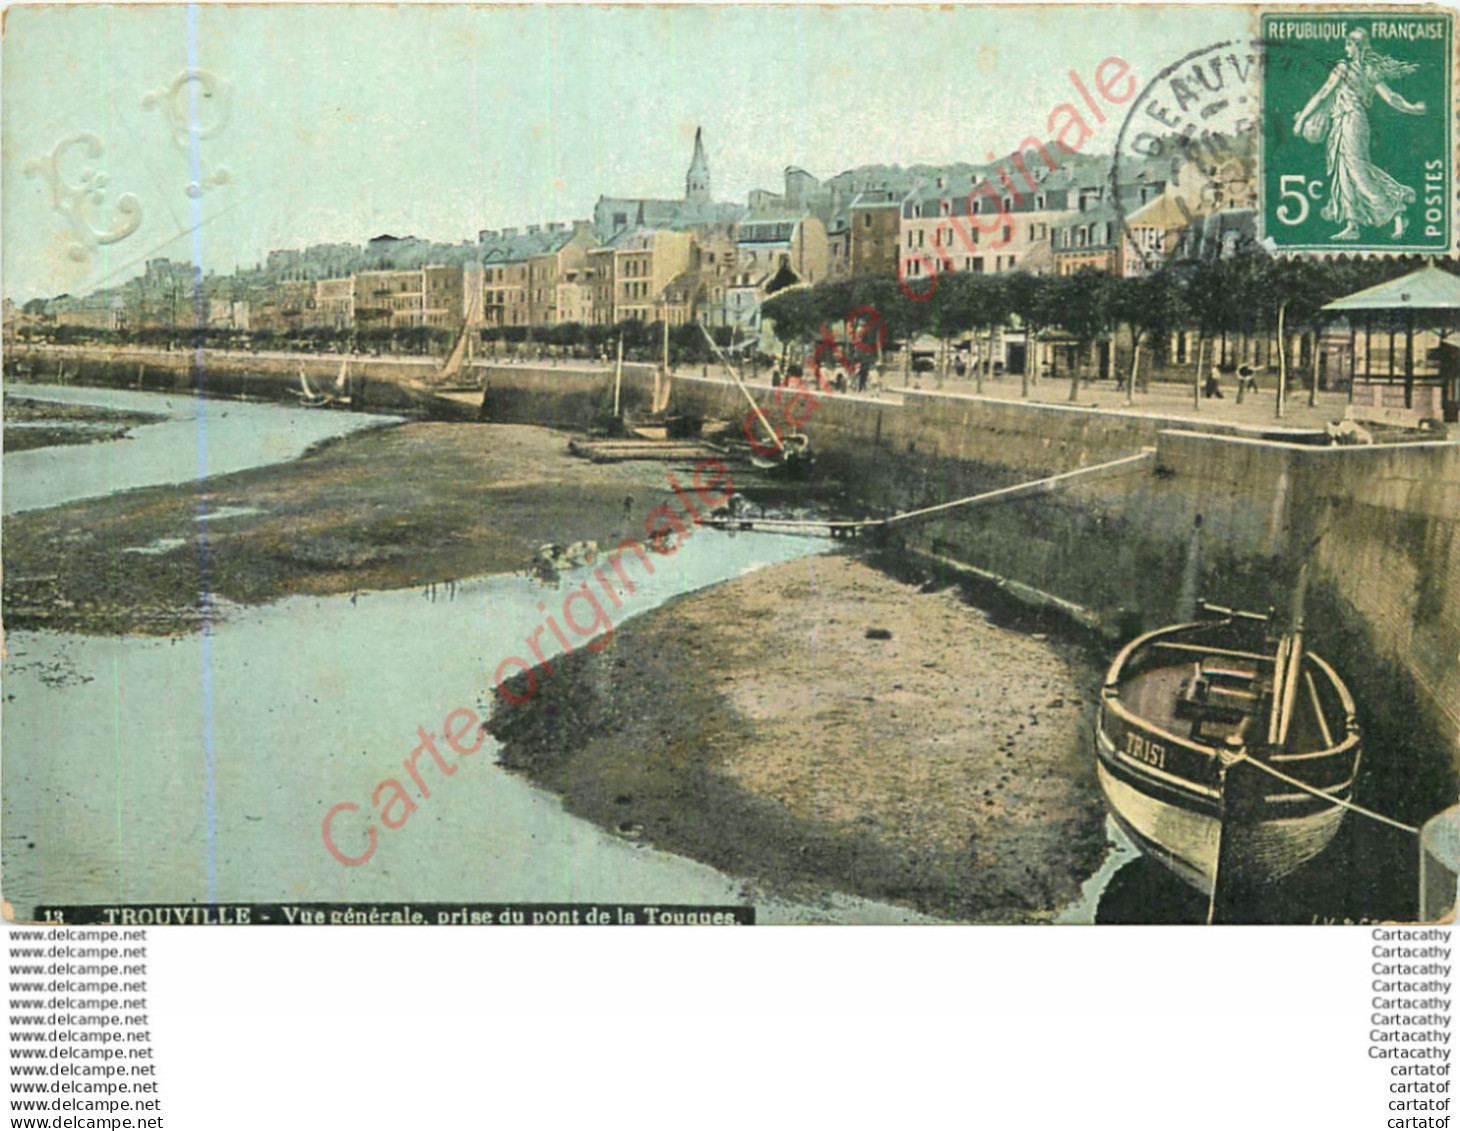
(1213, 387)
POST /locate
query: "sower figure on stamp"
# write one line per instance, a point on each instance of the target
(1360, 193)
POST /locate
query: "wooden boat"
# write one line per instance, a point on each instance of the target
(663, 425)
(791, 456)
(660, 422)
(601, 450)
(308, 396)
(1225, 754)
(454, 374)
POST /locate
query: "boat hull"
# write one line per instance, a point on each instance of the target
(1190, 839)
(1220, 813)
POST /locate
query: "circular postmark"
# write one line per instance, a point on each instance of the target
(1190, 141)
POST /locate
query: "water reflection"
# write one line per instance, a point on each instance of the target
(310, 702)
(200, 437)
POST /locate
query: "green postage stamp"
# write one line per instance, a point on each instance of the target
(1357, 150)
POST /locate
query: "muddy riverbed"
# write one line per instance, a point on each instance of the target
(820, 724)
(413, 505)
(31, 424)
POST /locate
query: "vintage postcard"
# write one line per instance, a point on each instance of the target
(721, 465)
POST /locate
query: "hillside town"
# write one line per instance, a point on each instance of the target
(694, 258)
(1043, 264)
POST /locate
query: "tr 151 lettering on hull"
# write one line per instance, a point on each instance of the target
(1142, 749)
(1255, 741)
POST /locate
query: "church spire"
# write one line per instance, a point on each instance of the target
(697, 180)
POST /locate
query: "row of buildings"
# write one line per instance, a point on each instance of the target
(692, 258)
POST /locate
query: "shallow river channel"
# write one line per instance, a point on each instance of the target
(202, 768)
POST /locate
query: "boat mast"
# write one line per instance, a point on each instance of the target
(618, 375)
(1289, 666)
(734, 376)
(661, 374)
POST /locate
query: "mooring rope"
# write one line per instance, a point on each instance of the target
(1282, 777)
(1048, 483)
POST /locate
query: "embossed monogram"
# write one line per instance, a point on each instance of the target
(195, 104)
(75, 198)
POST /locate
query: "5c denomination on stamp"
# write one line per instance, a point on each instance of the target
(1356, 152)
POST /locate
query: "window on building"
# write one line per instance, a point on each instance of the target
(978, 265)
(866, 219)
(1008, 233)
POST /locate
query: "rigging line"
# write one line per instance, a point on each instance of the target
(1017, 489)
(730, 369)
(1263, 766)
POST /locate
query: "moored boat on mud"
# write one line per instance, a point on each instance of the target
(1224, 752)
(309, 397)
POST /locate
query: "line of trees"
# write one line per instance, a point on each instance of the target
(1229, 303)
(643, 341)
(1234, 305)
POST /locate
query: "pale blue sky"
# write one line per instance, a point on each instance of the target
(348, 121)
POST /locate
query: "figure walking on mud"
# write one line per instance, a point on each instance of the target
(1360, 194)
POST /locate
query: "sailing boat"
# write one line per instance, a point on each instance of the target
(308, 396)
(342, 382)
(659, 424)
(792, 453)
(460, 349)
(1225, 755)
(452, 367)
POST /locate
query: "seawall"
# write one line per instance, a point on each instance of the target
(1222, 512)
(374, 384)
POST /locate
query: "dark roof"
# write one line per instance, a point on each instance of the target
(766, 229)
(1217, 234)
(1102, 217)
(524, 245)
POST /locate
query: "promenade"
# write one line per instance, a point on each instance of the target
(1162, 398)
